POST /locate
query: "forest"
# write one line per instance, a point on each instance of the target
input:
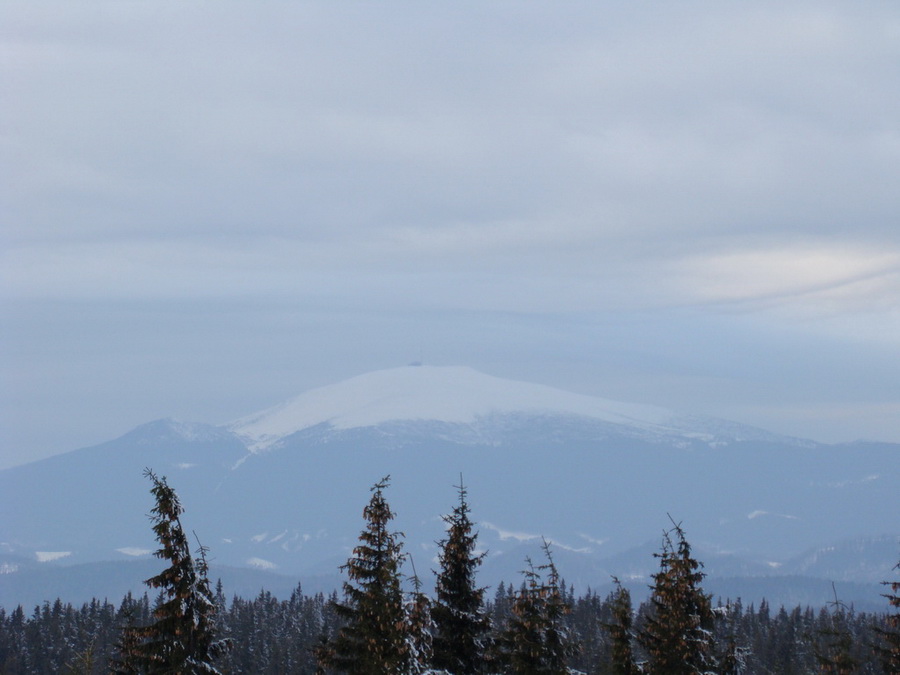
(384, 621)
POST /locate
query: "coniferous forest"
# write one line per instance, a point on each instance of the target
(385, 620)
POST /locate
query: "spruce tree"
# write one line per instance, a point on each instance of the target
(83, 663)
(834, 640)
(536, 640)
(888, 648)
(461, 625)
(677, 634)
(127, 652)
(620, 631)
(374, 637)
(560, 644)
(834, 643)
(181, 638)
(420, 631)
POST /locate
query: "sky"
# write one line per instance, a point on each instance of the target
(209, 207)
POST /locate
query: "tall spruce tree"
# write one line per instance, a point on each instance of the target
(536, 640)
(461, 624)
(374, 638)
(677, 634)
(182, 637)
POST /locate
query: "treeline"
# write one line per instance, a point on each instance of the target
(273, 636)
(384, 622)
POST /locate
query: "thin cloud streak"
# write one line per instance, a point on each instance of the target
(487, 265)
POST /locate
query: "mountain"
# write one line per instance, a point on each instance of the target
(470, 404)
(282, 490)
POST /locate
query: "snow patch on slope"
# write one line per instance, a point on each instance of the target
(50, 556)
(756, 514)
(506, 535)
(262, 564)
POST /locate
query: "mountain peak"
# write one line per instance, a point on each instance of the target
(452, 394)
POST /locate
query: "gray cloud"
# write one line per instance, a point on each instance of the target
(305, 119)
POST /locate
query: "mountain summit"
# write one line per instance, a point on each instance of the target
(455, 395)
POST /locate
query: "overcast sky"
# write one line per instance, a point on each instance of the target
(208, 207)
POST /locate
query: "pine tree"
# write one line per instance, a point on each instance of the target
(460, 621)
(620, 631)
(677, 634)
(536, 640)
(181, 638)
(374, 637)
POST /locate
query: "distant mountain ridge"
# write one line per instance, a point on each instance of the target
(281, 491)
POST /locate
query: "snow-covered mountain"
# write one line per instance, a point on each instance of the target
(282, 490)
(464, 398)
